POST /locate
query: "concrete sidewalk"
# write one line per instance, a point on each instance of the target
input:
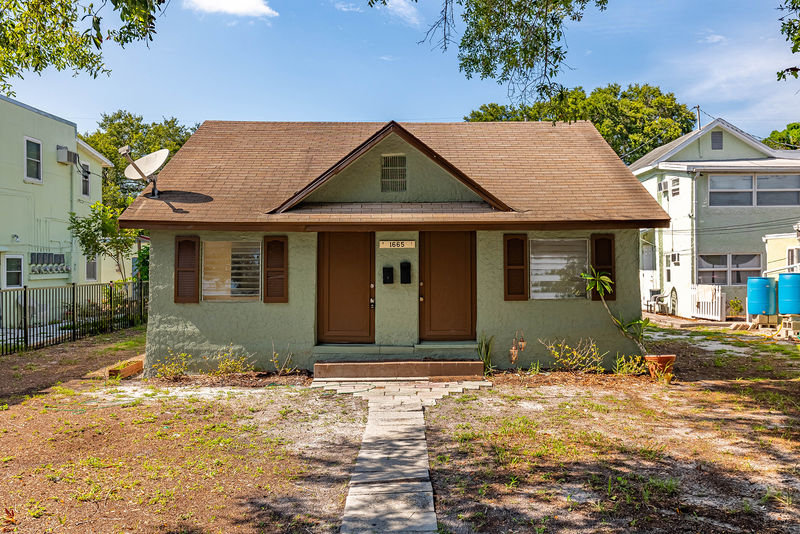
(390, 490)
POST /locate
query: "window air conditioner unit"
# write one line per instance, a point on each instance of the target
(675, 258)
(66, 156)
(660, 186)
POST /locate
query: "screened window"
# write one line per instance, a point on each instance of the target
(33, 160)
(778, 189)
(716, 140)
(730, 190)
(85, 179)
(727, 269)
(91, 269)
(13, 271)
(231, 270)
(743, 190)
(556, 266)
(393, 174)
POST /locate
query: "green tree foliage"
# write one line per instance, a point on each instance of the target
(634, 121)
(122, 128)
(788, 138)
(99, 234)
(67, 34)
(516, 42)
(143, 262)
(790, 27)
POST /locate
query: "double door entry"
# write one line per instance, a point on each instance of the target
(346, 285)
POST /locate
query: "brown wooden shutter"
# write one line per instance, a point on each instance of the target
(604, 260)
(276, 269)
(515, 263)
(187, 269)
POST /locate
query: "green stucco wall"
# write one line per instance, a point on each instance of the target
(397, 305)
(206, 328)
(732, 148)
(426, 181)
(572, 320)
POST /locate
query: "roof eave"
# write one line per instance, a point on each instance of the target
(105, 162)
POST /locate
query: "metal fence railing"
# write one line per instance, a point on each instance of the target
(41, 317)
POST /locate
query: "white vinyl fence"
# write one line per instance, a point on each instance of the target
(708, 302)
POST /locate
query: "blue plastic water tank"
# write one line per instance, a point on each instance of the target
(761, 296)
(789, 297)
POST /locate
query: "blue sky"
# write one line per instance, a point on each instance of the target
(334, 60)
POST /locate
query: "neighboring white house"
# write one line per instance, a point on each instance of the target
(724, 190)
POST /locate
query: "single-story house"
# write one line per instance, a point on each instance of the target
(783, 252)
(390, 242)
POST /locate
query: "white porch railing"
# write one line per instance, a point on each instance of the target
(708, 302)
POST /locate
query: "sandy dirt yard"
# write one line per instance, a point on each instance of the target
(135, 456)
(716, 451)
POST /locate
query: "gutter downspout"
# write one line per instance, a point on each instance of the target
(73, 270)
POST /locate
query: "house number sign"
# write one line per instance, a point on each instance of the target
(398, 244)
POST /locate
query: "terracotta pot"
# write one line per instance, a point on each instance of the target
(660, 364)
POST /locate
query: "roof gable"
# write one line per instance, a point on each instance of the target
(390, 129)
(733, 147)
(746, 143)
(426, 181)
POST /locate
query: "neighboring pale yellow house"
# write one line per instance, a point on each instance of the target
(40, 184)
(783, 252)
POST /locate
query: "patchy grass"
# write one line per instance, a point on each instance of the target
(716, 451)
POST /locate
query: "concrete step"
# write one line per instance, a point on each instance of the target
(388, 369)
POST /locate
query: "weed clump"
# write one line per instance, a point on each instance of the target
(584, 357)
(173, 367)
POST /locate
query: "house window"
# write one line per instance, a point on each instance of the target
(91, 269)
(556, 266)
(231, 270)
(778, 190)
(716, 140)
(393, 173)
(730, 190)
(85, 179)
(13, 272)
(792, 258)
(738, 190)
(676, 187)
(727, 269)
(667, 270)
(33, 159)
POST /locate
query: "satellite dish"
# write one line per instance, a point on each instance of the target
(144, 167)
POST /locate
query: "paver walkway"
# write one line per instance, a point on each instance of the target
(390, 490)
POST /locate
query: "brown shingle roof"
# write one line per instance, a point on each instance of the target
(241, 172)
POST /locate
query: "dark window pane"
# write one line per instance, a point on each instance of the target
(778, 198)
(713, 277)
(711, 261)
(745, 261)
(33, 150)
(731, 199)
(778, 181)
(32, 170)
(13, 264)
(13, 279)
(739, 278)
(731, 181)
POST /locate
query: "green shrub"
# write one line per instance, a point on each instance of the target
(485, 345)
(583, 357)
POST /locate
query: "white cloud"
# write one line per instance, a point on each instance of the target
(404, 11)
(341, 6)
(242, 8)
(712, 38)
(389, 58)
(232, 23)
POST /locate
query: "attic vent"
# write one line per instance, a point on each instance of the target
(393, 174)
(716, 140)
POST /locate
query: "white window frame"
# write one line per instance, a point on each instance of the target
(25, 158)
(86, 179)
(21, 258)
(796, 259)
(754, 190)
(729, 266)
(531, 249)
(96, 269)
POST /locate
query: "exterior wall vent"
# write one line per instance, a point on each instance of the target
(716, 140)
(393, 174)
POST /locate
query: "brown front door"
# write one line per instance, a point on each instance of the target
(447, 307)
(346, 285)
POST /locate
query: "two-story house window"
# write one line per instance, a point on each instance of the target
(727, 269)
(33, 159)
(754, 190)
(13, 272)
(85, 180)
